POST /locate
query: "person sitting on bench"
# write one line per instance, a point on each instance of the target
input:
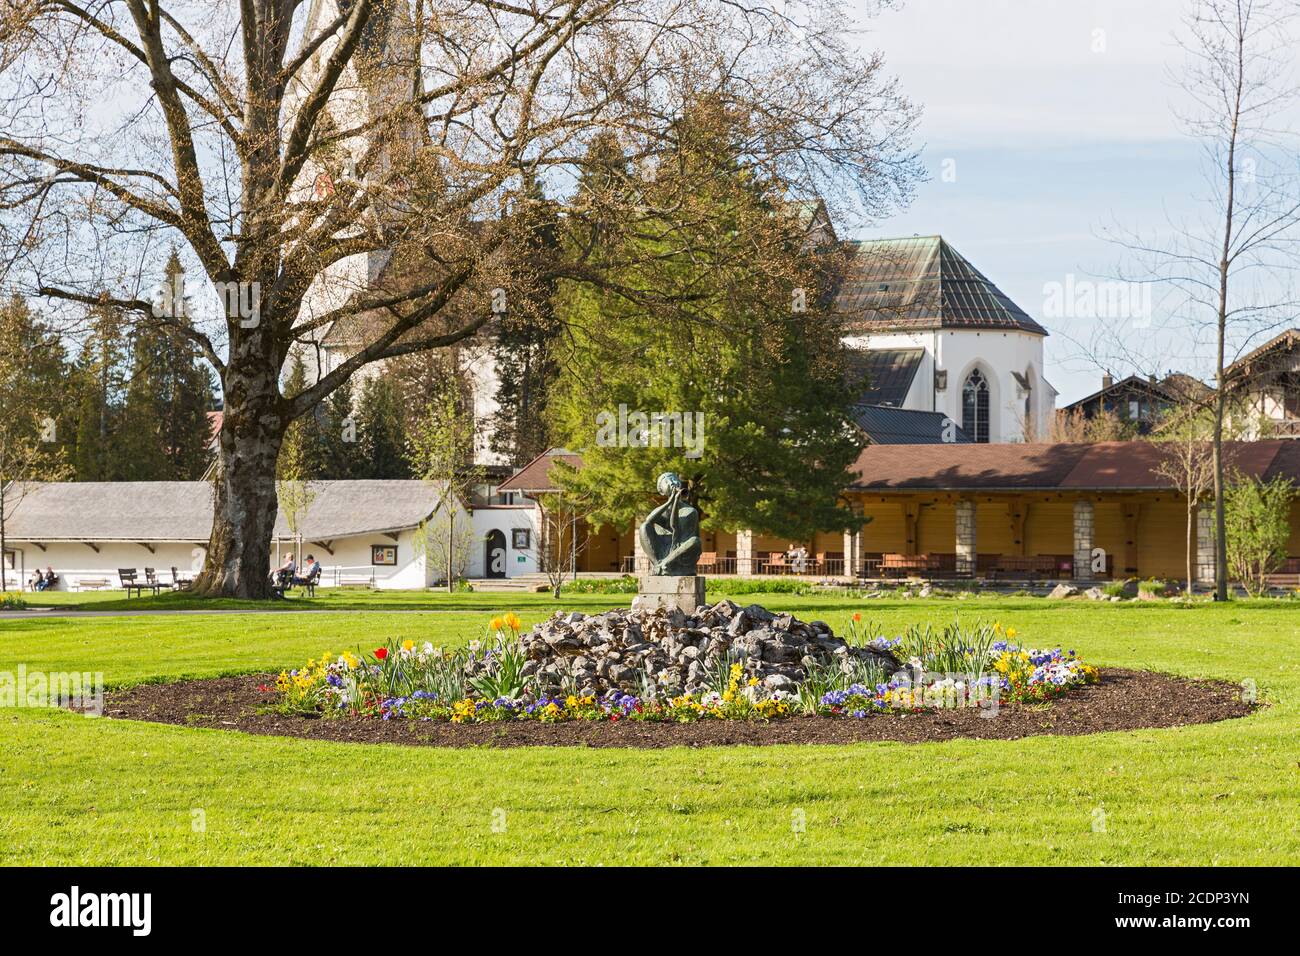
(310, 570)
(284, 573)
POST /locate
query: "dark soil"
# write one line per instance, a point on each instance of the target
(1123, 700)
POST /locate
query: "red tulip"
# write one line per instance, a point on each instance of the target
(381, 653)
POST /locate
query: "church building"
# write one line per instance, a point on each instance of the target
(930, 332)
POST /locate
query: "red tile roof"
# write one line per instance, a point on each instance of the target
(1109, 466)
(535, 476)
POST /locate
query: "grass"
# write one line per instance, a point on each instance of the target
(75, 790)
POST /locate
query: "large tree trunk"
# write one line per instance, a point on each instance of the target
(243, 518)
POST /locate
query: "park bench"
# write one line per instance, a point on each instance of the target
(1028, 566)
(131, 582)
(308, 584)
(179, 583)
(89, 584)
(903, 565)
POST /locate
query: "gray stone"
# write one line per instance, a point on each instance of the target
(682, 592)
(1064, 591)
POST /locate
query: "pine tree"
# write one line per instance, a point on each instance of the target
(338, 454)
(33, 368)
(99, 382)
(381, 430)
(303, 448)
(164, 432)
(523, 348)
(733, 338)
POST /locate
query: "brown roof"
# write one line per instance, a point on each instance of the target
(922, 282)
(1129, 466)
(1266, 358)
(535, 476)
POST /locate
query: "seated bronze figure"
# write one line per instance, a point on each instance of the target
(670, 535)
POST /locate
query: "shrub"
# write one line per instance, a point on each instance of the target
(1256, 514)
(1153, 588)
(1115, 589)
(624, 585)
(12, 601)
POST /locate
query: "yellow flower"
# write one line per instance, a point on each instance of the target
(494, 624)
(1011, 632)
(511, 620)
(570, 702)
(408, 645)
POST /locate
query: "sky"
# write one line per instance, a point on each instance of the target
(1048, 125)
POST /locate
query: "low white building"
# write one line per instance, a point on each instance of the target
(362, 532)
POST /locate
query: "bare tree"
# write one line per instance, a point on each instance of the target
(1186, 443)
(1233, 271)
(562, 535)
(291, 148)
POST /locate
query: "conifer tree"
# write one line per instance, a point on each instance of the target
(725, 331)
(164, 433)
(381, 431)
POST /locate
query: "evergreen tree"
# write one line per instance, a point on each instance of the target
(733, 338)
(524, 342)
(33, 418)
(164, 431)
(302, 451)
(99, 382)
(338, 455)
(381, 430)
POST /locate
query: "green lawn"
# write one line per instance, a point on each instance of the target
(77, 790)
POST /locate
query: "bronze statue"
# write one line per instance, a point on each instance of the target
(670, 534)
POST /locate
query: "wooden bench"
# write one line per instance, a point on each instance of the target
(90, 584)
(1016, 565)
(902, 565)
(131, 582)
(179, 583)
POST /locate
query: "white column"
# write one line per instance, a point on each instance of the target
(852, 552)
(1205, 543)
(745, 553)
(1083, 525)
(640, 563)
(965, 527)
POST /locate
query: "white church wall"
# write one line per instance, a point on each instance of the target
(997, 354)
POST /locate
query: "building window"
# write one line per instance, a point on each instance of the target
(975, 407)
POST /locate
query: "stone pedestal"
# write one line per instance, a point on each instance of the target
(684, 591)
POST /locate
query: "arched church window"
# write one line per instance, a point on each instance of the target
(975, 406)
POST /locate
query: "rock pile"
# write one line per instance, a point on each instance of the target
(672, 651)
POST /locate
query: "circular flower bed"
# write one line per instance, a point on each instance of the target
(723, 663)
